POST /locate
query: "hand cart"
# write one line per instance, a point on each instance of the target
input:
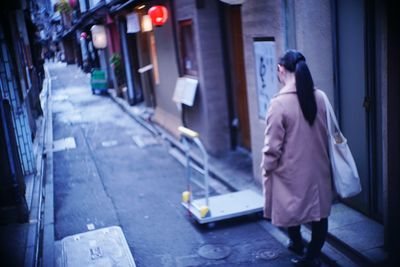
(98, 81)
(215, 208)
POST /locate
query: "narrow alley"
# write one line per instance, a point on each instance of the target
(191, 133)
(108, 180)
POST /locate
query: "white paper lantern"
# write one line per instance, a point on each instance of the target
(147, 24)
(99, 36)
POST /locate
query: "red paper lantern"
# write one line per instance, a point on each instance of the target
(158, 15)
(83, 35)
(72, 3)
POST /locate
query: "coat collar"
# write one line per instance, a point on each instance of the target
(287, 89)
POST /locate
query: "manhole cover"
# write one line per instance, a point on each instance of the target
(267, 254)
(214, 252)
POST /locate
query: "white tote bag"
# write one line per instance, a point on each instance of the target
(344, 170)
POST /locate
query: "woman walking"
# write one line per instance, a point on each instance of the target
(296, 166)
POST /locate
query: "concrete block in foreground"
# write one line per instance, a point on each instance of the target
(102, 247)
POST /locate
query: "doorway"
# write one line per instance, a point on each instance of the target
(131, 64)
(232, 41)
(144, 44)
(356, 98)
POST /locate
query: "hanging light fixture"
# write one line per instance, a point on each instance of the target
(72, 3)
(146, 23)
(83, 35)
(99, 36)
(158, 14)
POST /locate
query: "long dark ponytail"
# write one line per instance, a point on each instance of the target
(294, 61)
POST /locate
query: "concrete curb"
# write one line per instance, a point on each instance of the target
(34, 236)
(125, 107)
(214, 173)
(48, 259)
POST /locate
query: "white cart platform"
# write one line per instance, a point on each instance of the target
(227, 206)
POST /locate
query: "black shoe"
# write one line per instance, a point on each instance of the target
(297, 248)
(306, 262)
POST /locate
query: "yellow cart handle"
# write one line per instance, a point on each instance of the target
(187, 132)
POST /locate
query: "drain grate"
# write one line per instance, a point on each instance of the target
(145, 140)
(214, 251)
(64, 144)
(267, 254)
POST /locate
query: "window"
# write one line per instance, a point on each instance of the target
(188, 60)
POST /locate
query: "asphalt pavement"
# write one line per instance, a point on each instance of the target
(103, 176)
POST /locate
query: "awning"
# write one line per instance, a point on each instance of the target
(123, 6)
(89, 18)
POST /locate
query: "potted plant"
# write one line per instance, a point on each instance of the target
(63, 6)
(65, 10)
(117, 67)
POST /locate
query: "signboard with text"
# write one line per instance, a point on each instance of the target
(185, 91)
(132, 23)
(266, 74)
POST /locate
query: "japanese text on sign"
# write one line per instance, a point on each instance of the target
(266, 74)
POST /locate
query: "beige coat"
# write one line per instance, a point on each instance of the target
(296, 167)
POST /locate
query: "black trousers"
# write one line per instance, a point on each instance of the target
(318, 237)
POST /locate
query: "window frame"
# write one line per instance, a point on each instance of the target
(183, 45)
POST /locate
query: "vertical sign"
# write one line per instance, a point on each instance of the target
(132, 23)
(266, 74)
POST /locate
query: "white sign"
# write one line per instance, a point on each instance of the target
(132, 23)
(185, 91)
(233, 2)
(266, 74)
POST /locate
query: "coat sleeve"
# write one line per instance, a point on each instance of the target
(274, 137)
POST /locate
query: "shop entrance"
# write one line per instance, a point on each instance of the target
(231, 22)
(356, 98)
(131, 64)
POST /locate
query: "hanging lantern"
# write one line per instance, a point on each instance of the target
(83, 35)
(146, 23)
(158, 15)
(99, 36)
(72, 3)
